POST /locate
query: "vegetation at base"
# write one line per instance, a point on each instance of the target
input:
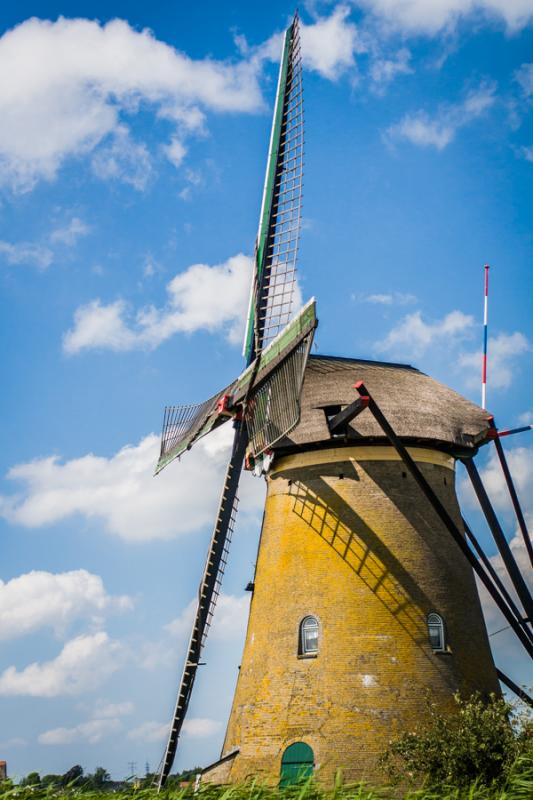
(486, 743)
(518, 786)
(483, 752)
(76, 783)
(73, 778)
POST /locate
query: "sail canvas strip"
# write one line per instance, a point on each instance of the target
(283, 344)
(279, 222)
(270, 309)
(184, 425)
(273, 410)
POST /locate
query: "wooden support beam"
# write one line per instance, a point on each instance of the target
(514, 687)
(338, 423)
(499, 537)
(512, 492)
(497, 580)
(444, 516)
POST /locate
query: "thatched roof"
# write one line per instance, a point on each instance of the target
(419, 408)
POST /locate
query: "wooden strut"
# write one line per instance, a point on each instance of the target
(208, 590)
(512, 491)
(497, 580)
(339, 422)
(444, 516)
(499, 537)
(278, 193)
(514, 687)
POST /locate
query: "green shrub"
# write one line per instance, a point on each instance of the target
(484, 744)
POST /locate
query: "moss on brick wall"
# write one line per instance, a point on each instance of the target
(349, 538)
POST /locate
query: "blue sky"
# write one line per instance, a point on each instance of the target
(132, 154)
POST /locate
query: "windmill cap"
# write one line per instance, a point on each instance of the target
(419, 408)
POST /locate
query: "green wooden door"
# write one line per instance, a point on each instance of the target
(297, 763)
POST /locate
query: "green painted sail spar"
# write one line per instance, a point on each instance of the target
(279, 222)
(184, 425)
(264, 401)
(271, 297)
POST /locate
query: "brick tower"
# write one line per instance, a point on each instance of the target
(362, 603)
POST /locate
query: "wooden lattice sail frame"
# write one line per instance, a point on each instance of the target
(272, 344)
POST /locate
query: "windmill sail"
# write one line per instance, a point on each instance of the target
(273, 410)
(184, 425)
(257, 389)
(274, 283)
(208, 593)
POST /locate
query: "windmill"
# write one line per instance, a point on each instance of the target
(263, 401)
(363, 597)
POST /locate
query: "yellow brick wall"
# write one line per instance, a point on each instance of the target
(348, 537)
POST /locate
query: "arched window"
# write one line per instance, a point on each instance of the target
(297, 764)
(436, 631)
(308, 638)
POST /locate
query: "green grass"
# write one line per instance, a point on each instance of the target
(519, 786)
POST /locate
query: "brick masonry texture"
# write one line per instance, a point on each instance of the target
(349, 538)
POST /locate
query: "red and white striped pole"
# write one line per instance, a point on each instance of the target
(485, 340)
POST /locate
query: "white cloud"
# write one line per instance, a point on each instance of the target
(508, 653)
(105, 721)
(83, 82)
(15, 741)
(229, 625)
(527, 153)
(383, 70)
(196, 728)
(503, 351)
(122, 493)
(438, 131)
(26, 253)
(200, 298)
(82, 665)
(41, 599)
(431, 16)
(520, 460)
(329, 44)
(421, 130)
(74, 78)
(150, 267)
(123, 159)
(40, 255)
(524, 76)
(229, 621)
(99, 326)
(201, 727)
(194, 178)
(70, 233)
(150, 731)
(175, 151)
(104, 710)
(413, 336)
(526, 418)
(92, 732)
(386, 299)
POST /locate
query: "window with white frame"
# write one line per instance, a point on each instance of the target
(308, 638)
(436, 632)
